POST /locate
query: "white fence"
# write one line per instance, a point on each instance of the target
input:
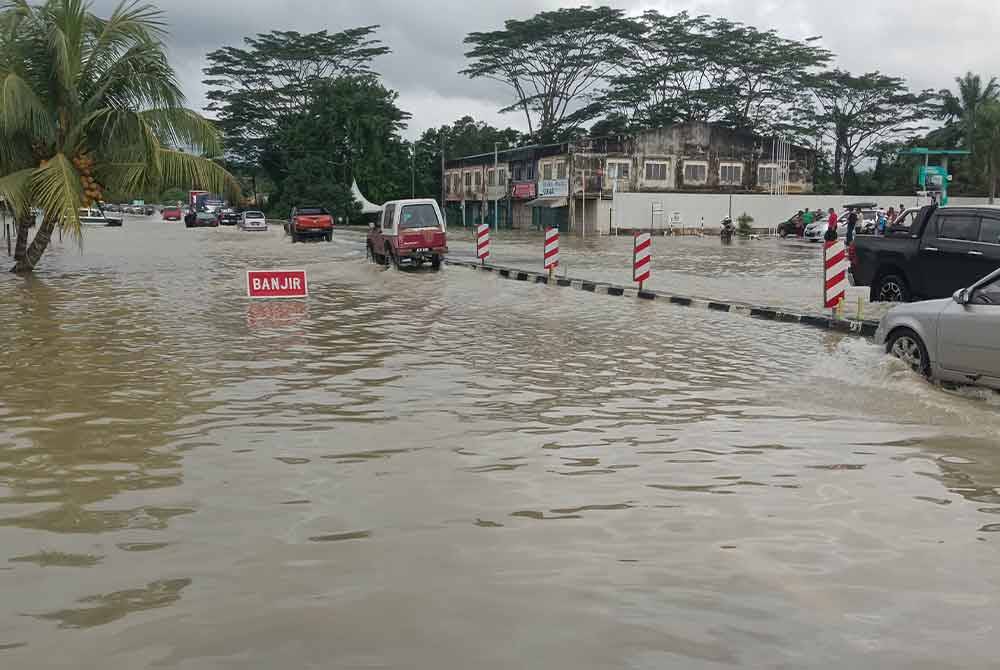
(692, 210)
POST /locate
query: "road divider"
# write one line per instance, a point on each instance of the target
(865, 328)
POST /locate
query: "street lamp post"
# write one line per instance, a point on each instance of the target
(413, 170)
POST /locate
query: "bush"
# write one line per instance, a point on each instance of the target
(745, 222)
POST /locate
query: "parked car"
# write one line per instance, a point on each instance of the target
(869, 217)
(201, 220)
(309, 221)
(228, 217)
(92, 216)
(954, 339)
(171, 214)
(253, 220)
(410, 232)
(942, 250)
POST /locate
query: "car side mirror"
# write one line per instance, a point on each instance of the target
(961, 296)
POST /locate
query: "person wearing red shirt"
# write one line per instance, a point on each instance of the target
(831, 226)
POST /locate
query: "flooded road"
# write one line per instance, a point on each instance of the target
(419, 470)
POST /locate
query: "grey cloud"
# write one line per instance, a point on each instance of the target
(925, 42)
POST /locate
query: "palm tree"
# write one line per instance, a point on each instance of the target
(987, 144)
(87, 105)
(964, 107)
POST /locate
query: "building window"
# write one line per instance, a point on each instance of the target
(618, 169)
(491, 177)
(479, 178)
(529, 172)
(561, 170)
(503, 177)
(468, 179)
(695, 172)
(731, 174)
(656, 170)
(767, 175)
(547, 171)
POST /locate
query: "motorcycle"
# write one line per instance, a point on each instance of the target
(727, 230)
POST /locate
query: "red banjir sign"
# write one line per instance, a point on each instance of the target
(277, 284)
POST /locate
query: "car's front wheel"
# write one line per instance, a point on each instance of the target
(907, 346)
(892, 288)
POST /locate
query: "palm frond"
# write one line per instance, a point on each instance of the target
(131, 22)
(185, 129)
(56, 189)
(15, 191)
(21, 110)
(170, 168)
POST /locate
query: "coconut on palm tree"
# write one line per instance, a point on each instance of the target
(89, 104)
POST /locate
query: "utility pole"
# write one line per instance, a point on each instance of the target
(444, 188)
(496, 182)
(413, 170)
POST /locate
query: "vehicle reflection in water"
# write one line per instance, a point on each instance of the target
(456, 459)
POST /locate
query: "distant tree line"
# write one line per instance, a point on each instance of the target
(305, 114)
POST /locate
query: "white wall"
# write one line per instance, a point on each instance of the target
(634, 210)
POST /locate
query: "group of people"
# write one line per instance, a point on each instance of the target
(884, 219)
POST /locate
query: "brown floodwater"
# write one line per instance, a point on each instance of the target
(451, 470)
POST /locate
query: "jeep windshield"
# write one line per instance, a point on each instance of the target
(418, 216)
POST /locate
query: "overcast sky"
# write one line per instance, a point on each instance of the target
(926, 42)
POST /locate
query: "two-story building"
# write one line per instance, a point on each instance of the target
(573, 184)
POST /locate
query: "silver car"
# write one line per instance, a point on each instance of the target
(953, 340)
(253, 220)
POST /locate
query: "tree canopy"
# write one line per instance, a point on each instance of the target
(553, 62)
(277, 75)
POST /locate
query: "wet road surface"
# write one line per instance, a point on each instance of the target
(451, 470)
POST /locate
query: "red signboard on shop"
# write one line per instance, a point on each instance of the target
(277, 284)
(524, 190)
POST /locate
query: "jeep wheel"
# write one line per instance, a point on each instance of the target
(392, 258)
(436, 262)
(892, 288)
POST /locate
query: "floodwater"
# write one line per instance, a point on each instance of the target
(451, 470)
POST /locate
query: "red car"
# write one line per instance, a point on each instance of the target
(410, 232)
(172, 214)
(308, 222)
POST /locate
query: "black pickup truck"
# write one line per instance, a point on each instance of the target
(935, 252)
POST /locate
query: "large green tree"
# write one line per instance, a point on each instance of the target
(90, 104)
(694, 68)
(255, 89)
(351, 130)
(553, 63)
(855, 113)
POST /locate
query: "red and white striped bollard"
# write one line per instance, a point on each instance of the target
(483, 243)
(551, 257)
(834, 273)
(642, 258)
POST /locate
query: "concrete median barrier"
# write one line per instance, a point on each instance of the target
(865, 328)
